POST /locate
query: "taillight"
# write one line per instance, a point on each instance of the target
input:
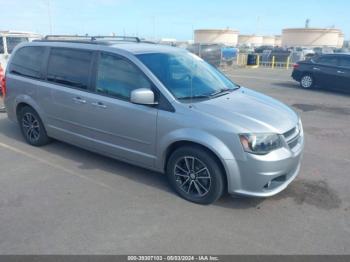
(2, 81)
(296, 66)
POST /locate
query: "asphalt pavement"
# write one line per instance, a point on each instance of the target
(60, 199)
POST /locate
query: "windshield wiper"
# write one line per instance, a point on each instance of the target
(221, 92)
(195, 97)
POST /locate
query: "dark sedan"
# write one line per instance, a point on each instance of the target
(331, 71)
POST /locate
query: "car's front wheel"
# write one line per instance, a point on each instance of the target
(307, 81)
(195, 175)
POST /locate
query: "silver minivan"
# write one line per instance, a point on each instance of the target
(158, 107)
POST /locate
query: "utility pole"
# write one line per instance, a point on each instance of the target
(49, 15)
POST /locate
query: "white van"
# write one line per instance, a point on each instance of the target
(9, 40)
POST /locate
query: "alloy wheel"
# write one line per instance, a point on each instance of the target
(306, 81)
(192, 176)
(31, 127)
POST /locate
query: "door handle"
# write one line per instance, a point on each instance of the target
(79, 100)
(99, 104)
(316, 69)
(340, 72)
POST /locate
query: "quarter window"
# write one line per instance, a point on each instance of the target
(28, 61)
(117, 77)
(69, 67)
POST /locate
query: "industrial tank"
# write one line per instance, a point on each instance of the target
(269, 40)
(217, 36)
(250, 40)
(341, 40)
(310, 37)
(278, 40)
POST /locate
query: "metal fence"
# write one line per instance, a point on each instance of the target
(268, 61)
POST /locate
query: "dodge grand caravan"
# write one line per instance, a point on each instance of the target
(158, 107)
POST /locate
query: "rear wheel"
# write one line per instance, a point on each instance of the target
(307, 81)
(32, 127)
(195, 175)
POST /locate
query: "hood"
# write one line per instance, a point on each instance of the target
(250, 111)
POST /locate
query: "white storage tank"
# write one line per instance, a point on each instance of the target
(310, 37)
(341, 40)
(216, 36)
(269, 40)
(278, 40)
(250, 40)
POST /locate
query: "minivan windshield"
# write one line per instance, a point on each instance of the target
(187, 76)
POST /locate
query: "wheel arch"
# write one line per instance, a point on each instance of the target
(182, 143)
(23, 101)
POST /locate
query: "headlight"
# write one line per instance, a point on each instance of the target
(300, 126)
(260, 144)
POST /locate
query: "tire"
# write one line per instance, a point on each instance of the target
(307, 81)
(32, 127)
(201, 181)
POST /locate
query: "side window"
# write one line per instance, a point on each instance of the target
(12, 42)
(328, 60)
(1, 45)
(117, 77)
(69, 67)
(28, 61)
(345, 62)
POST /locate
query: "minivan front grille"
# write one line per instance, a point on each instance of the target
(292, 137)
(289, 133)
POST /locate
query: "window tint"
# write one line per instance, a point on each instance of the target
(345, 62)
(12, 42)
(117, 77)
(328, 60)
(27, 61)
(69, 67)
(1, 45)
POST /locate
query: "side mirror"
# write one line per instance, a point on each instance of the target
(142, 96)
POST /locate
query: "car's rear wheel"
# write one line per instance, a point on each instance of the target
(307, 81)
(32, 127)
(195, 175)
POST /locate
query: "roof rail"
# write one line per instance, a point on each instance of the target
(91, 38)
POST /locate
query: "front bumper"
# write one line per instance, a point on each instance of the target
(265, 175)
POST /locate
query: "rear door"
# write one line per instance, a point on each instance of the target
(67, 97)
(344, 73)
(325, 71)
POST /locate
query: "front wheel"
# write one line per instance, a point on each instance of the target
(307, 81)
(195, 175)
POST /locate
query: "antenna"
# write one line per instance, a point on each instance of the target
(307, 23)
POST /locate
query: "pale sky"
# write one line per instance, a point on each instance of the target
(170, 19)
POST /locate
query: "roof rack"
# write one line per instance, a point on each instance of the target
(86, 38)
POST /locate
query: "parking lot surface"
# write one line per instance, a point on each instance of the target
(60, 199)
